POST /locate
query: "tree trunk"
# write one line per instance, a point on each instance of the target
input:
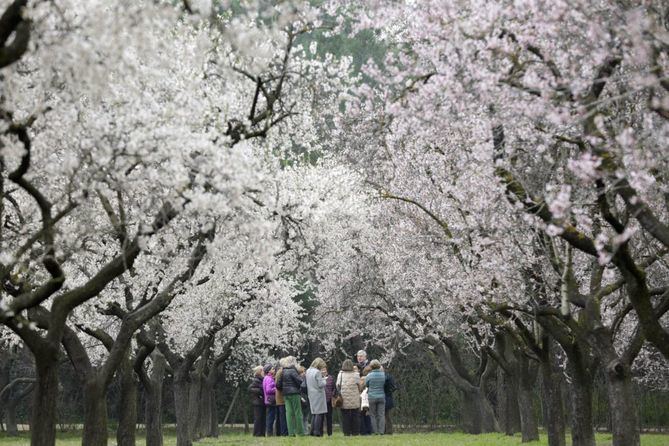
(204, 424)
(199, 416)
(127, 420)
(181, 409)
(194, 406)
(478, 413)
(213, 407)
(552, 401)
(43, 421)
(507, 403)
(624, 420)
(528, 420)
(214, 431)
(153, 416)
(154, 401)
(582, 428)
(95, 412)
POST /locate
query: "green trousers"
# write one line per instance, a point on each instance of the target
(294, 414)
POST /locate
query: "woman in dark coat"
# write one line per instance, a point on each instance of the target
(389, 388)
(258, 402)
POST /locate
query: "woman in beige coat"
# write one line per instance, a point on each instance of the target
(348, 385)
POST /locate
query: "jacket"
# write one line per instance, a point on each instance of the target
(269, 389)
(364, 400)
(329, 388)
(374, 381)
(316, 391)
(256, 392)
(280, 400)
(347, 383)
(389, 387)
(290, 381)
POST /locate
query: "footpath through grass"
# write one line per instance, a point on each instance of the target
(441, 439)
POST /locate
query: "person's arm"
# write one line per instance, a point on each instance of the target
(320, 381)
(392, 386)
(254, 389)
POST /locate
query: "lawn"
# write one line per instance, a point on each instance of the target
(448, 439)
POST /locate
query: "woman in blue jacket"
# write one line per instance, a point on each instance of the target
(375, 382)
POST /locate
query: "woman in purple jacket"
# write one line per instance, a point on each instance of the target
(269, 389)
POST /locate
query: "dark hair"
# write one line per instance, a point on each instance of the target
(366, 370)
(347, 366)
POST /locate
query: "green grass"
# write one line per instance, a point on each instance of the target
(441, 439)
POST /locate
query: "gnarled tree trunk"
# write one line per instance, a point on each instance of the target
(507, 403)
(213, 430)
(95, 411)
(624, 419)
(527, 379)
(181, 408)
(582, 428)
(552, 397)
(153, 388)
(479, 414)
(43, 421)
(127, 419)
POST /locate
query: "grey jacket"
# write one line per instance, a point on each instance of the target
(316, 391)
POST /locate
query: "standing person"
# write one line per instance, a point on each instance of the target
(281, 401)
(348, 384)
(365, 419)
(290, 383)
(304, 399)
(257, 401)
(388, 388)
(316, 390)
(269, 389)
(375, 381)
(363, 362)
(329, 392)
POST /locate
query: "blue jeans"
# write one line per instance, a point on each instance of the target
(283, 424)
(365, 424)
(377, 411)
(271, 418)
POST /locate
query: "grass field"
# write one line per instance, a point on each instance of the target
(447, 439)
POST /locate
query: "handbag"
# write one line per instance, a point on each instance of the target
(337, 398)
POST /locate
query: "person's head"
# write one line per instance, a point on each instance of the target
(361, 356)
(300, 370)
(268, 369)
(366, 370)
(283, 362)
(375, 364)
(319, 364)
(291, 361)
(257, 370)
(347, 366)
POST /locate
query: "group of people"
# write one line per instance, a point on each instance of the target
(284, 396)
